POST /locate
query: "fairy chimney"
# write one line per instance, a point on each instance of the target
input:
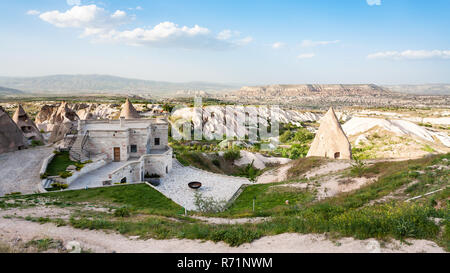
(128, 111)
(28, 127)
(11, 137)
(330, 140)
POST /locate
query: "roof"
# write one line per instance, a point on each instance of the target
(128, 111)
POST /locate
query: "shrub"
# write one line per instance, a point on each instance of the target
(35, 143)
(232, 155)
(208, 204)
(216, 162)
(44, 175)
(358, 167)
(122, 212)
(59, 186)
(65, 174)
(250, 172)
(153, 175)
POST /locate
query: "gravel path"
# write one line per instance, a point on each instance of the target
(19, 171)
(217, 186)
(14, 230)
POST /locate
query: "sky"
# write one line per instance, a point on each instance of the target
(230, 41)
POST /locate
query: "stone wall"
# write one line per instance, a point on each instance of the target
(100, 162)
(104, 142)
(160, 164)
(140, 138)
(45, 164)
(160, 131)
(131, 171)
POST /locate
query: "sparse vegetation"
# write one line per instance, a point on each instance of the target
(59, 164)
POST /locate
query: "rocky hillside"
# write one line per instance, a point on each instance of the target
(9, 91)
(103, 84)
(421, 89)
(325, 95)
(312, 90)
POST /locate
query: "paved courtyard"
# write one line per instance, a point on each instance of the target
(219, 187)
(95, 178)
(19, 171)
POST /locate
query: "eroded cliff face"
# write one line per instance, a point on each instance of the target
(323, 95)
(52, 115)
(313, 90)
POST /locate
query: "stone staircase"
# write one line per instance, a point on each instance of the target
(77, 153)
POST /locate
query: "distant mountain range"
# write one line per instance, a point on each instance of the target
(421, 89)
(9, 91)
(104, 84)
(304, 90)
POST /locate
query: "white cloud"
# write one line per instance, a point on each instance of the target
(102, 26)
(227, 34)
(411, 55)
(33, 12)
(309, 43)
(245, 41)
(306, 56)
(84, 17)
(374, 2)
(73, 2)
(136, 8)
(278, 45)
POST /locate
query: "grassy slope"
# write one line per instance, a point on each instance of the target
(59, 164)
(343, 215)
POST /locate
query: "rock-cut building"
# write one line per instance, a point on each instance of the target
(28, 127)
(330, 141)
(143, 142)
(11, 137)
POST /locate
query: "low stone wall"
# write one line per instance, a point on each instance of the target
(45, 164)
(131, 171)
(101, 161)
(160, 164)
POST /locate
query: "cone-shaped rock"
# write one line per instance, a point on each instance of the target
(64, 122)
(330, 140)
(29, 129)
(11, 137)
(63, 114)
(128, 111)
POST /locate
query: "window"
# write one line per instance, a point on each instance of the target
(134, 148)
(337, 155)
(157, 141)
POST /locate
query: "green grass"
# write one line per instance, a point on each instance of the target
(138, 198)
(342, 215)
(303, 165)
(45, 244)
(270, 199)
(59, 164)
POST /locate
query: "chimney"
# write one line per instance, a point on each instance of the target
(122, 121)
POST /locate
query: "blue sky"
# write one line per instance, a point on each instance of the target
(230, 41)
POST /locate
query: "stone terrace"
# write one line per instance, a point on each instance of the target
(220, 187)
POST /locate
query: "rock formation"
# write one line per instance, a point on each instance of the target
(45, 113)
(63, 121)
(330, 140)
(11, 137)
(128, 111)
(50, 116)
(29, 129)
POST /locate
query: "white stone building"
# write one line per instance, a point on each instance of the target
(142, 142)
